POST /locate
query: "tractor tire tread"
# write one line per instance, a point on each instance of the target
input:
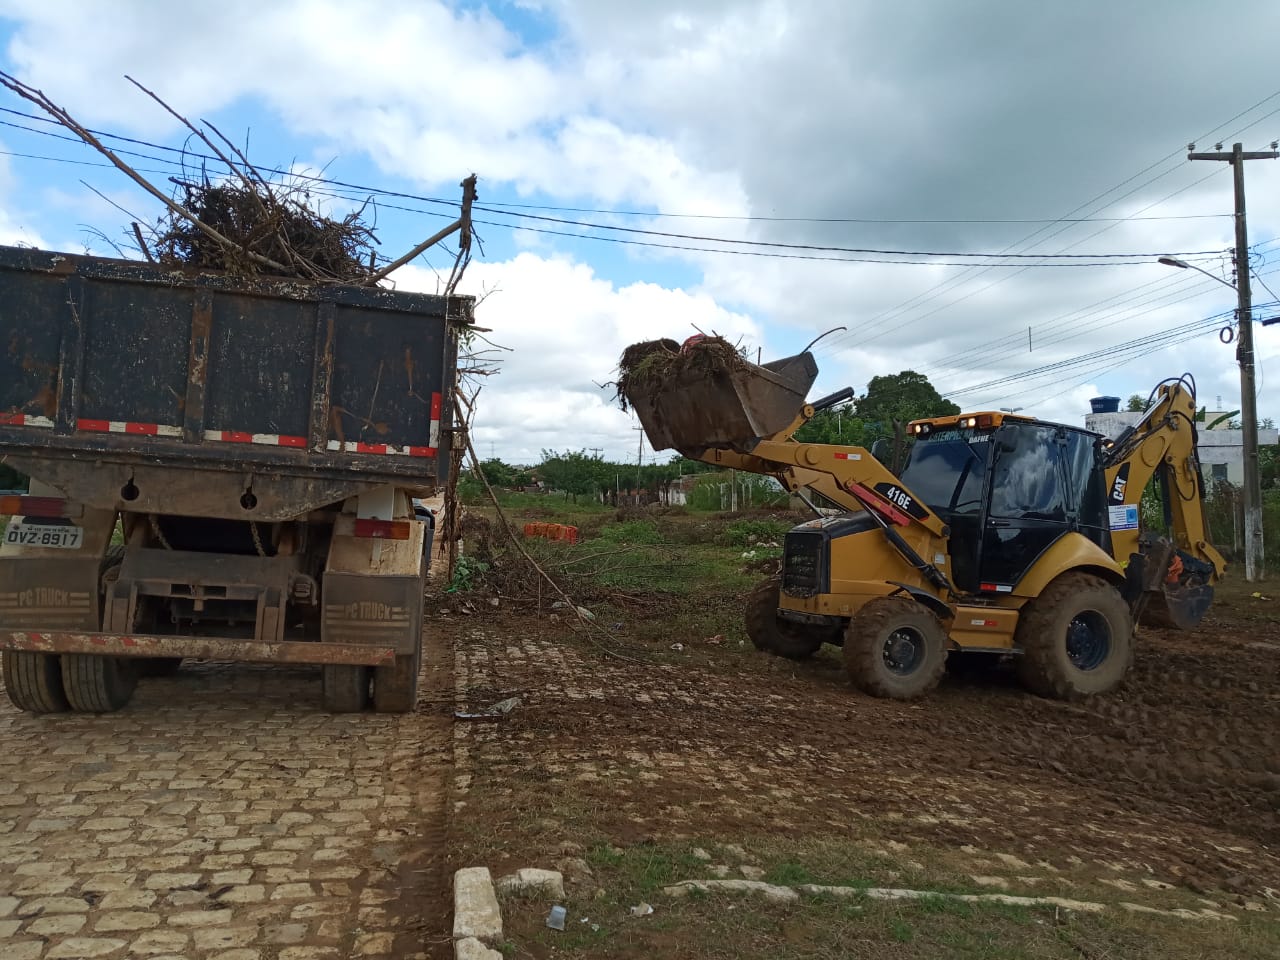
(793, 643)
(864, 649)
(1041, 666)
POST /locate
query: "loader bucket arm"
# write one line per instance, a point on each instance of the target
(738, 415)
(1162, 446)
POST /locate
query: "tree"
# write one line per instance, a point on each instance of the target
(839, 425)
(900, 398)
(1137, 403)
(572, 472)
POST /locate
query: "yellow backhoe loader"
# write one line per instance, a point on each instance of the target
(1002, 535)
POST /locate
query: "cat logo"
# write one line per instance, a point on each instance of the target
(1121, 481)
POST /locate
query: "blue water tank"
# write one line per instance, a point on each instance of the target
(1105, 404)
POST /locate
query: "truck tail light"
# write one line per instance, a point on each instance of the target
(383, 529)
(23, 506)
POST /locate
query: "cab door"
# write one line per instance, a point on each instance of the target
(1030, 503)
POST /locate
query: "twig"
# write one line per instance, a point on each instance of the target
(142, 244)
(44, 103)
(511, 535)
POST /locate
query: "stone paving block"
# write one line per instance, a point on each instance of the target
(80, 948)
(57, 926)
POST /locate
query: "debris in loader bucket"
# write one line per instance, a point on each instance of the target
(706, 394)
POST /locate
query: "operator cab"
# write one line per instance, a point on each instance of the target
(1008, 488)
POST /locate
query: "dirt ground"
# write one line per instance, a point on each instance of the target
(1171, 783)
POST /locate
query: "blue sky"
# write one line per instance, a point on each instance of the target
(933, 127)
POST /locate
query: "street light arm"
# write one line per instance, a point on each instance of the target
(1183, 265)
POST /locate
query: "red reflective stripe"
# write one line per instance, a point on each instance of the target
(145, 429)
(98, 426)
(12, 419)
(436, 403)
(293, 441)
(371, 448)
(422, 451)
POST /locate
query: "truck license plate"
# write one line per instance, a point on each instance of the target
(60, 536)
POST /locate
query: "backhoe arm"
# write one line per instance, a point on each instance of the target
(1162, 446)
(1174, 576)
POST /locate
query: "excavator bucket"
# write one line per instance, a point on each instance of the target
(716, 399)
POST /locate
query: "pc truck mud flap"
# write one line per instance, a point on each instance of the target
(372, 609)
(49, 593)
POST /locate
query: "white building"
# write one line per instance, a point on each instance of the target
(1221, 449)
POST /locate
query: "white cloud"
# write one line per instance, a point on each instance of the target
(567, 327)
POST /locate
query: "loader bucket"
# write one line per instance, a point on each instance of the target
(732, 406)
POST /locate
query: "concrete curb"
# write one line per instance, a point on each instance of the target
(783, 894)
(477, 919)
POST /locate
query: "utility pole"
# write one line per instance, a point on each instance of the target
(1253, 544)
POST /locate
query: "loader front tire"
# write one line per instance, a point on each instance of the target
(1076, 639)
(895, 648)
(33, 681)
(96, 684)
(774, 635)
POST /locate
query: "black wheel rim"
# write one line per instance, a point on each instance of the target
(904, 651)
(1088, 640)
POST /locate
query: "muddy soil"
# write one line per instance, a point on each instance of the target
(1176, 775)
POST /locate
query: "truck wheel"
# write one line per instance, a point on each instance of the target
(1076, 639)
(895, 648)
(33, 681)
(395, 688)
(97, 684)
(344, 688)
(780, 637)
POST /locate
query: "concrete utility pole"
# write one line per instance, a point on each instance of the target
(1253, 545)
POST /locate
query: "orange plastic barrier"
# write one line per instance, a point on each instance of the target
(561, 532)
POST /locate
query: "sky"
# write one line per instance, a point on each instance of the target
(742, 167)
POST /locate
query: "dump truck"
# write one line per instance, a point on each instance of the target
(221, 469)
(1003, 536)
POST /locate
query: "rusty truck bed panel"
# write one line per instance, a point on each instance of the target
(127, 362)
(200, 648)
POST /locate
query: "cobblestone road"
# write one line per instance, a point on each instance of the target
(221, 815)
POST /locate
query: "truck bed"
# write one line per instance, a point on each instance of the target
(142, 368)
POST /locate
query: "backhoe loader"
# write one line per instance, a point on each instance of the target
(1002, 535)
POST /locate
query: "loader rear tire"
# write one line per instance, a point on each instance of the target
(97, 684)
(770, 633)
(33, 682)
(395, 687)
(344, 688)
(895, 648)
(1076, 639)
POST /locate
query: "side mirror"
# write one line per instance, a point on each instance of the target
(882, 450)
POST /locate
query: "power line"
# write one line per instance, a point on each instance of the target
(622, 213)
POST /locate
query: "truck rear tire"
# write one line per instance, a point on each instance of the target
(1076, 639)
(344, 688)
(97, 684)
(33, 681)
(395, 687)
(770, 633)
(895, 649)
